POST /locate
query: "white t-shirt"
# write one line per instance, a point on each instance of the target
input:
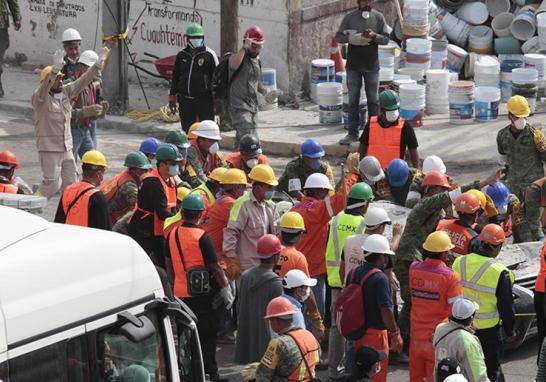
(352, 252)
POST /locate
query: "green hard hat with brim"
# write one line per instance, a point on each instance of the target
(177, 138)
(361, 191)
(137, 159)
(195, 30)
(167, 151)
(389, 100)
(193, 202)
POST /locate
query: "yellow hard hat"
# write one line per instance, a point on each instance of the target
(518, 106)
(263, 173)
(45, 71)
(193, 127)
(234, 176)
(94, 158)
(438, 242)
(182, 192)
(217, 173)
(481, 196)
(292, 222)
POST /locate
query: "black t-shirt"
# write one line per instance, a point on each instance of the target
(408, 139)
(98, 216)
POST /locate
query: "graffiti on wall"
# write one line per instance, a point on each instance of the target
(53, 9)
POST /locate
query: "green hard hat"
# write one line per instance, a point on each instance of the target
(193, 202)
(178, 138)
(389, 100)
(195, 30)
(167, 151)
(137, 159)
(361, 191)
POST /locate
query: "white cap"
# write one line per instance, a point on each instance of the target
(376, 216)
(433, 162)
(208, 129)
(317, 180)
(463, 308)
(296, 278)
(377, 244)
(456, 378)
(71, 34)
(371, 169)
(88, 57)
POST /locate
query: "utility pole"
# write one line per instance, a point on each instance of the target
(229, 26)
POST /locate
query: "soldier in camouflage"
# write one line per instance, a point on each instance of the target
(534, 203)
(7, 7)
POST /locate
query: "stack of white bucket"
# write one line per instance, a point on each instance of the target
(538, 62)
(487, 71)
(524, 83)
(437, 87)
(461, 102)
(412, 103)
(418, 53)
(386, 63)
(322, 70)
(416, 13)
(269, 81)
(487, 99)
(439, 54)
(506, 77)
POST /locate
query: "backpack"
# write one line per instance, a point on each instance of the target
(221, 79)
(349, 311)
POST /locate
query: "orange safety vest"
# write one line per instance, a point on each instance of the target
(110, 189)
(461, 236)
(236, 161)
(8, 188)
(185, 254)
(384, 142)
(540, 185)
(210, 159)
(170, 194)
(76, 203)
(309, 348)
(541, 277)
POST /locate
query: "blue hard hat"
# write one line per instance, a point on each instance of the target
(499, 193)
(312, 149)
(149, 146)
(398, 172)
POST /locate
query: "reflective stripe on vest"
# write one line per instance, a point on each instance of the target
(461, 236)
(191, 256)
(8, 188)
(76, 203)
(342, 226)
(210, 196)
(110, 189)
(541, 277)
(384, 142)
(309, 347)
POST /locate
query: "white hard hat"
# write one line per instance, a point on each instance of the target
(208, 129)
(456, 378)
(317, 180)
(88, 57)
(371, 169)
(463, 308)
(296, 278)
(376, 216)
(433, 162)
(377, 244)
(71, 34)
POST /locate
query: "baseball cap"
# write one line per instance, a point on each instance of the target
(296, 278)
(463, 308)
(367, 356)
(446, 368)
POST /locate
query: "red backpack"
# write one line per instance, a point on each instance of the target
(350, 313)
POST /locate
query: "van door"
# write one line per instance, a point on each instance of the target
(3, 348)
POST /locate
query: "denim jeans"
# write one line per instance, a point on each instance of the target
(354, 85)
(81, 141)
(319, 291)
(93, 133)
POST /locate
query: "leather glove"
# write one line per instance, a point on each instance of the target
(317, 323)
(353, 163)
(249, 371)
(227, 297)
(92, 111)
(490, 209)
(58, 60)
(233, 270)
(103, 54)
(397, 344)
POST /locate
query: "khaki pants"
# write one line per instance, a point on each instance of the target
(58, 171)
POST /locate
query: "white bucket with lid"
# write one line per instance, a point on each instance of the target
(412, 103)
(524, 25)
(330, 101)
(501, 24)
(456, 57)
(486, 103)
(474, 13)
(322, 70)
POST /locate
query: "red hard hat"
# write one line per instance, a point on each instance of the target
(268, 245)
(9, 158)
(279, 307)
(435, 178)
(256, 34)
(492, 234)
(467, 203)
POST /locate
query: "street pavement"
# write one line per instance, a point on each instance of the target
(17, 135)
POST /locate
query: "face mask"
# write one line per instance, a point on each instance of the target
(520, 123)
(58, 96)
(213, 149)
(196, 42)
(268, 195)
(251, 162)
(316, 164)
(173, 170)
(306, 294)
(366, 14)
(392, 115)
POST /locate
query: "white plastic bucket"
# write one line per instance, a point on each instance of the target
(437, 89)
(486, 72)
(480, 39)
(461, 102)
(524, 76)
(496, 7)
(541, 26)
(474, 13)
(412, 103)
(322, 70)
(531, 45)
(486, 103)
(455, 29)
(501, 24)
(456, 57)
(418, 46)
(524, 25)
(330, 101)
(269, 77)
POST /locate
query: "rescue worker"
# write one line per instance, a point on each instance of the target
(298, 170)
(461, 230)
(292, 228)
(434, 288)
(388, 136)
(149, 148)
(371, 171)
(346, 223)
(252, 216)
(455, 339)
(209, 189)
(156, 201)
(397, 182)
(72, 48)
(190, 254)
(177, 219)
(534, 203)
(294, 354)
(540, 301)
(489, 283)
(511, 213)
(191, 82)
(417, 190)
(14, 11)
(180, 140)
(248, 156)
(121, 190)
(368, 363)
(258, 286)
(52, 112)
(522, 148)
(82, 203)
(203, 153)
(297, 289)
(9, 183)
(378, 307)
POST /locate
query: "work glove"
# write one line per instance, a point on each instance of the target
(490, 209)
(272, 95)
(454, 194)
(103, 54)
(92, 111)
(317, 323)
(397, 344)
(233, 270)
(227, 297)
(58, 60)
(249, 371)
(353, 163)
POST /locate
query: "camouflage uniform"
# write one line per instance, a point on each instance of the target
(525, 156)
(194, 174)
(533, 207)
(296, 169)
(419, 189)
(421, 221)
(126, 196)
(6, 7)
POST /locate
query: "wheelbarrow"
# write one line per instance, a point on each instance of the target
(164, 66)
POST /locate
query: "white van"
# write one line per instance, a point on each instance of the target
(79, 305)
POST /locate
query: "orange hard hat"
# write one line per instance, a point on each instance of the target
(492, 234)
(467, 203)
(435, 178)
(8, 157)
(268, 245)
(279, 307)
